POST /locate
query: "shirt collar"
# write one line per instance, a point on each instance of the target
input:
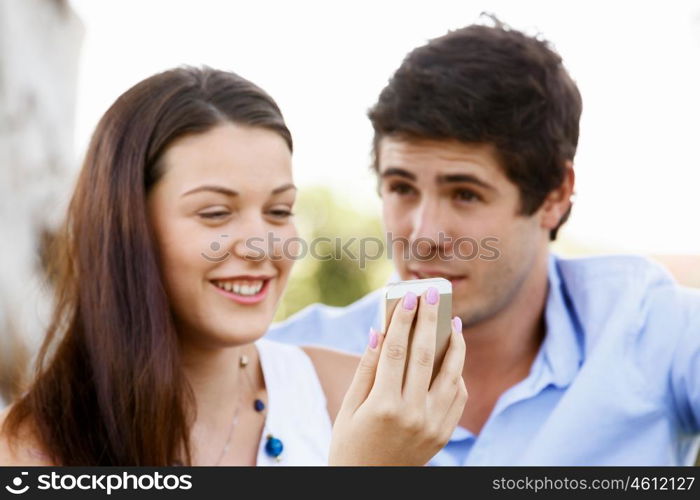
(559, 356)
(563, 343)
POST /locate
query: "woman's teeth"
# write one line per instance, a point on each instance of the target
(241, 287)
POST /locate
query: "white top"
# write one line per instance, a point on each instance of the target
(296, 410)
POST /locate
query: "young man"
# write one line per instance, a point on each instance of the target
(569, 362)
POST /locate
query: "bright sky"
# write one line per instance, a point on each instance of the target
(637, 65)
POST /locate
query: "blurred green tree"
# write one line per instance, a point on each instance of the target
(339, 276)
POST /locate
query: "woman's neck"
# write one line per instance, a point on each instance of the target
(222, 389)
(216, 377)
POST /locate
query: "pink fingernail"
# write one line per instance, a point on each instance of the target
(457, 322)
(410, 300)
(432, 296)
(373, 338)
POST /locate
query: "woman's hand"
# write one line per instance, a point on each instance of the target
(389, 419)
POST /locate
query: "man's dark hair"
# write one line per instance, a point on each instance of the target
(488, 84)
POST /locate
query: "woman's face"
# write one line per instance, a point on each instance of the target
(221, 214)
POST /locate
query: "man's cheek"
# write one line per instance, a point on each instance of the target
(400, 252)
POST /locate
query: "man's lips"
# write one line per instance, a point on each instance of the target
(433, 273)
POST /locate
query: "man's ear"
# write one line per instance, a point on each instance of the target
(558, 201)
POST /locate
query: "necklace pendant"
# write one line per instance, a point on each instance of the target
(258, 405)
(274, 447)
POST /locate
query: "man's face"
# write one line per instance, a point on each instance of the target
(450, 211)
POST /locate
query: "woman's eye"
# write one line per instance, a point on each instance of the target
(214, 215)
(280, 213)
(401, 188)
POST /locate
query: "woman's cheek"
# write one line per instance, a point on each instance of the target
(288, 249)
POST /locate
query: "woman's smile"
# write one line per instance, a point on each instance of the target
(246, 290)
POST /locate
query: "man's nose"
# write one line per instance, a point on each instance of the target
(428, 234)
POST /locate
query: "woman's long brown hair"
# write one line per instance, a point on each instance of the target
(109, 388)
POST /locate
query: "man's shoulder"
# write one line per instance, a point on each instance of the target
(633, 294)
(365, 306)
(632, 313)
(623, 270)
(344, 328)
(674, 306)
(626, 278)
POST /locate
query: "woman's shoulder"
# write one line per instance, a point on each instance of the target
(335, 370)
(331, 363)
(325, 361)
(21, 448)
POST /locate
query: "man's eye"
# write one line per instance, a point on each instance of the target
(214, 215)
(467, 195)
(401, 188)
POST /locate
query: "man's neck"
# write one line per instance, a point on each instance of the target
(511, 338)
(501, 349)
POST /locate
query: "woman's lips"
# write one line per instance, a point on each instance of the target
(246, 299)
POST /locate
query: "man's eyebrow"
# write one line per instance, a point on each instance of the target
(400, 172)
(441, 179)
(214, 189)
(471, 179)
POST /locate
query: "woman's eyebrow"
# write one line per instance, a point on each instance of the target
(283, 188)
(230, 192)
(215, 189)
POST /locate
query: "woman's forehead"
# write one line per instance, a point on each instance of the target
(232, 155)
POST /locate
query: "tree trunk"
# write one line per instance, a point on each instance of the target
(39, 55)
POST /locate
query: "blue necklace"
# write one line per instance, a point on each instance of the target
(273, 446)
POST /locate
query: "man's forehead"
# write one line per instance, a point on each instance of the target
(430, 154)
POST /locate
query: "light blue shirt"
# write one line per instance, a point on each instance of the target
(615, 382)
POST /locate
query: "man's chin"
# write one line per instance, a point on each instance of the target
(472, 314)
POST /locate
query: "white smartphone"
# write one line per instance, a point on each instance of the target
(394, 292)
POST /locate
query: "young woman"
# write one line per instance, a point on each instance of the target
(172, 262)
